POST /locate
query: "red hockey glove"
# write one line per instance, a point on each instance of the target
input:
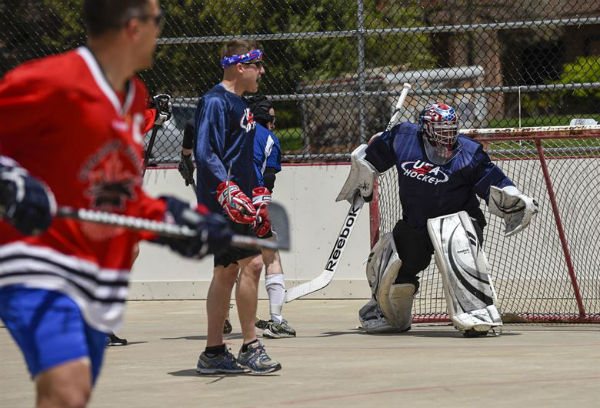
(261, 197)
(236, 204)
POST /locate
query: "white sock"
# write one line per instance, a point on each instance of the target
(276, 290)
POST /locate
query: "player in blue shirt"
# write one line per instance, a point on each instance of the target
(224, 147)
(267, 162)
(440, 173)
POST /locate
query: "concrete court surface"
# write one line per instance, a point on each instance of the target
(332, 364)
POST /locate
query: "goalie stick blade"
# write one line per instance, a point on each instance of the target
(326, 276)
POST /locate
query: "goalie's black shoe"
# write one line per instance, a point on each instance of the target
(278, 330)
(474, 333)
(113, 340)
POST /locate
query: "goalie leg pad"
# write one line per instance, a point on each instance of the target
(391, 306)
(396, 303)
(384, 253)
(394, 300)
(372, 319)
(468, 288)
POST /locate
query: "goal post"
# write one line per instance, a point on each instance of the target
(550, 272)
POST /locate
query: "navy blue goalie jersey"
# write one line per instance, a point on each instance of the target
(428, 190)
(224, 140)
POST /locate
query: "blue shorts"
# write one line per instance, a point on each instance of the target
(49, 329)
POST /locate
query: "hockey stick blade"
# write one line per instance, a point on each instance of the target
(326, 276)
(279, 219)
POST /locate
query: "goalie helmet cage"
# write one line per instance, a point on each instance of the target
(550, 272)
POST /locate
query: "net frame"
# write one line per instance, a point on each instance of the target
(548, 273)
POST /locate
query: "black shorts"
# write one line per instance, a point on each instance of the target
(415, 250)
(233, 254)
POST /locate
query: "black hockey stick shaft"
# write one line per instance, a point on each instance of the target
(150, 146)
(277, 212)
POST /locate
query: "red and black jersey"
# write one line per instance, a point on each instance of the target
(63, 122)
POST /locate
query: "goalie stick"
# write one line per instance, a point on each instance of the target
(277, 213)
(324, 279)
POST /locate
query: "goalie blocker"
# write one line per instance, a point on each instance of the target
(468, 288)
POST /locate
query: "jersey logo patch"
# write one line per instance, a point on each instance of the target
(247, 121)
(424, 171)
(110, 178)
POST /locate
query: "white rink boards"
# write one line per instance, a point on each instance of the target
(308, 193)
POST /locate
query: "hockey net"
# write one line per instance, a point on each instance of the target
(551, 271)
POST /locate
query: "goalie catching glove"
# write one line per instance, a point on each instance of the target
(261, 197)
(213, 231)
(236, 204)
(515, 208)
(25, 202)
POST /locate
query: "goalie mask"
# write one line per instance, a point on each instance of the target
(439, 128)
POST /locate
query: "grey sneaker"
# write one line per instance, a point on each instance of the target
(278, 330)
(221, 363)
(257, 360)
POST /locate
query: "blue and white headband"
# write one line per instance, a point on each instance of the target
(254, 55)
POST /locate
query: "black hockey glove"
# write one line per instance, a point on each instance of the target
(214, 232)
(164, 108)
(25, 202)
(186, 169)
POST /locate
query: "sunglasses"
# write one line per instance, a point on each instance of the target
(259, 64)
(159, 19)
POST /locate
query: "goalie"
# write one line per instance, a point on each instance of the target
(440, 175)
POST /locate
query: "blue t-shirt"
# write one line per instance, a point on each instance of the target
(428, 190)
(267, 152)
(224, 140)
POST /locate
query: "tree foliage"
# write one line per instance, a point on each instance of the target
(189, 69)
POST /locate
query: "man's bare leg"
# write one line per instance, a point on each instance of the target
(246, 295)
(217, 302)
(67, 385)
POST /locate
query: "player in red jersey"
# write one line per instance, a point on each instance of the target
(73, 121)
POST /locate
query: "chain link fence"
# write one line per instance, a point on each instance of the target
(336, 67)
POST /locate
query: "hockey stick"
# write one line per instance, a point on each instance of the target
(162, 102)
(332, 262)
(396, 115)
(325, 277)
(278, 215)
(149, 149)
